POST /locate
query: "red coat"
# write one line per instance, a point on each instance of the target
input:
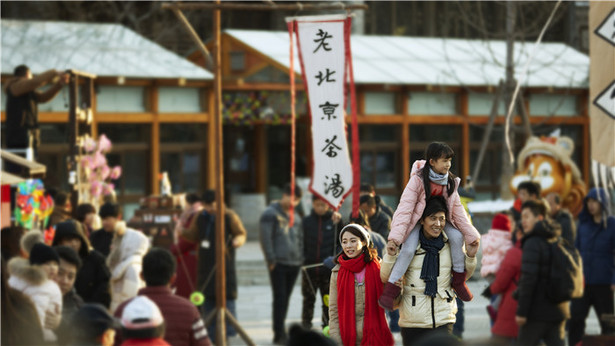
(187, 262)
(146, 342)
(506, 280)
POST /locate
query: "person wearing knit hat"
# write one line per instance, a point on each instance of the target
(101, 239)
(33, 277)
(92, 282)
(94, 326)
(355, 281)
(142, 323)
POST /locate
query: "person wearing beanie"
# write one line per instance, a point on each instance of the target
(94, 326)
(596, 243)
(34, 277)
(496, 244)
(142, 323)
(101, 239)
(354, 314)
(92, 282)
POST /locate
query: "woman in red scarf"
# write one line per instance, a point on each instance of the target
(355, 318)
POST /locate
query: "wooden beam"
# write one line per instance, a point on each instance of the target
(262, 7)
(155, 157)
(195, 37)
(33, 168)
(260, 158)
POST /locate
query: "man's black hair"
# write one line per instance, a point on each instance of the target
(537, 207)
(531, 187)
(370, 200)
(434, 205)
(298, 191)
(365, 187)
(21, 71)
(145, 333)
(109, 209)
(69, 255)
(158, 267)
(60, 198)
(209, 196)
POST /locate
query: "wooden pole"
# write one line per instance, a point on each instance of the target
(195, 37)
(262, 7)
(486, 136)
(220, 247)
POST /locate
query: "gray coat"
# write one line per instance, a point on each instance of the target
(280, 243)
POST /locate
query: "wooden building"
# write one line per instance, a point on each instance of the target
(156, 106)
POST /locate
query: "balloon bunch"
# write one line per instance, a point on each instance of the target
(33, 208)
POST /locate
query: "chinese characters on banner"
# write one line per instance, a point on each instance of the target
(324, 53)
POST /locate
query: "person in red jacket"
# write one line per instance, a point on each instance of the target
(506, 279)
(184, 326)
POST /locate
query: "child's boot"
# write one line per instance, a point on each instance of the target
(459, 285)
(387, 299)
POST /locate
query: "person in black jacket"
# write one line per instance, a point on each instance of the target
(538, 318)
(71, 301)
(320, 232)
(562, 216)
(92, 283)
(379, 221)
(368, 189)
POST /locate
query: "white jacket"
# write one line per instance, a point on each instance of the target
(125, 279)
(45, 294)
(415, 308)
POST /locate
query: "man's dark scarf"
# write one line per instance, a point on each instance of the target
(431, 263)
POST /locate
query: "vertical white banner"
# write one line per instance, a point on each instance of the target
(322, 52)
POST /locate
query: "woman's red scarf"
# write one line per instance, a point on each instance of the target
(375, 329)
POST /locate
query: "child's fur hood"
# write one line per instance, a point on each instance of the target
(32, 274)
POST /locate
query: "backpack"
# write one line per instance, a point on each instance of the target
(565, 280)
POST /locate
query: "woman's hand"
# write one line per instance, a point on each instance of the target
(392, 248)
(336, 217)
(400, 283)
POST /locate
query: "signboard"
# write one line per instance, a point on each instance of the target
(323, 44)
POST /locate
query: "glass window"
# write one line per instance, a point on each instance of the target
(432, 103)
(238, 61)
(272, 106)
(120, 99)
(550, 104)
(126, 133)
(179, 100)
(59, 103)
(270, 74)
(183, 133)
(134, 178)
(380, 103)
(54, 133)
(481, 103)
(184, 170)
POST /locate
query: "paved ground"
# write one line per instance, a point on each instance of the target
(254, 304)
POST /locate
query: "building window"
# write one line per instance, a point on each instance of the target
(377, 103)
(423, 103)
(238, 61)
(182, 151)
(481, 104)
(179, 100)
(553, 104)
(380, 148)
(120, 99)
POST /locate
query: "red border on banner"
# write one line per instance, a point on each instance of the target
(356, 166)
(355, 186)
(291, 216)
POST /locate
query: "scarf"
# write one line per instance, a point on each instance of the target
(375, 329)
(437, 178)
(431, 263)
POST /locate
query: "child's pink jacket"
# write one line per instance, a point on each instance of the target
(495, 244)
(412, 204)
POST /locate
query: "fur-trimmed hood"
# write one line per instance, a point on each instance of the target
(132, 246)
(31, 274)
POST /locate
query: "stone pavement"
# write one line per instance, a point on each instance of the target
(254, 304)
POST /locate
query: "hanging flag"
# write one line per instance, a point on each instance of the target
(324, 52)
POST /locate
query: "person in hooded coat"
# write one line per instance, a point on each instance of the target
(125, 260)
(92, 283)
(34, 278)
(596, 243)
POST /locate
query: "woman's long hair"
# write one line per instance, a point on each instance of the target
(369, 250)
(435, 151)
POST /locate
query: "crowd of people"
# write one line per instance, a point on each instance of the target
(381, 274)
